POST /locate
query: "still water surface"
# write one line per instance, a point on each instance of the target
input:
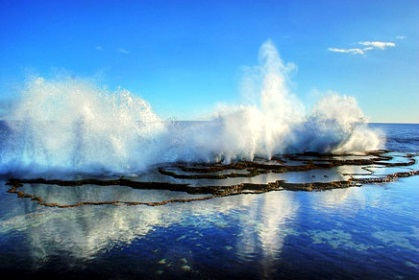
(371, 232)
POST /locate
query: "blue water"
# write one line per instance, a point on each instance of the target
(400, 137)
(368, 232)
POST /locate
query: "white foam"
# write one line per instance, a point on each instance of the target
(70, 125)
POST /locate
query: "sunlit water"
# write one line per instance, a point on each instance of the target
(368, 232)
(67, 128)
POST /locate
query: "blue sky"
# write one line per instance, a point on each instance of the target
(185, 57)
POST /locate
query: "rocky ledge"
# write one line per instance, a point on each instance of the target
(185, 177)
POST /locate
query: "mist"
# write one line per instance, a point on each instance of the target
(68, 125)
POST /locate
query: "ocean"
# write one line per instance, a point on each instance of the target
(367, 230)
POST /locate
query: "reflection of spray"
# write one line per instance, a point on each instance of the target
(83, 233)
(72, 126)
(266, 229)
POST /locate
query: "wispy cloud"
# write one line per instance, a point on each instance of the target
(352, 51)
(378, 45)
(98, 48)
(124, 51)
(367, 46)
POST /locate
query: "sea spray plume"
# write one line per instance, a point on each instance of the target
(332, 121)
(191, 141)
(71, 125)
(265, 127)
(361, 139)
(336, 125)
(349, 124)
(281, 109)
(275, 122)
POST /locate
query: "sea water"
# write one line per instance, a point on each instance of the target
(368, 232)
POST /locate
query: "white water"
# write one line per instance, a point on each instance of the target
(69, 125)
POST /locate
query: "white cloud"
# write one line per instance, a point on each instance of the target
(368, 46)
(352, 51)
(378, 45)
(124, 51)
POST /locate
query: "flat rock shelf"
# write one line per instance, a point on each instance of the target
(182, 182)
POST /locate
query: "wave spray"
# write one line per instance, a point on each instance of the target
(71, 126)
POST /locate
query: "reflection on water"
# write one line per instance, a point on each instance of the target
(264, 230)
(86, 231)
(80, 233)
(261, 236)
(63, 195)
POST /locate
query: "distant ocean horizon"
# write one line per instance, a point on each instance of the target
(400, 136)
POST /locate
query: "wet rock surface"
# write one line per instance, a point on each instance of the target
(187, 177)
